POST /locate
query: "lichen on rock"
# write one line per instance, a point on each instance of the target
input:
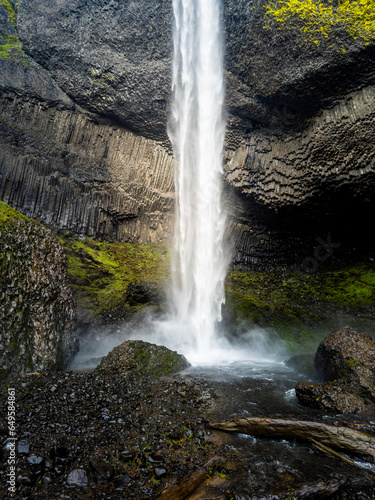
(142, 359)
(37, 310)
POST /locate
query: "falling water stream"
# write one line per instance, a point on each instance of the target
(196, 131)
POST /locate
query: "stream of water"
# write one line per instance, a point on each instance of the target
(196, 130)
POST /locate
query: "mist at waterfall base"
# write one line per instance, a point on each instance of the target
(256, 345)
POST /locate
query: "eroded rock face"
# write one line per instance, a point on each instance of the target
(142, 359)
(91, 131)
(37, 310)
(345, 360)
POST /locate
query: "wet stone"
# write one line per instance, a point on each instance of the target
(23, 447)
(35, 461)
(77, 477)
(127, 455)
(156, 459)
(159, 473)
(121, 482)
(102, 472)
(24, 478)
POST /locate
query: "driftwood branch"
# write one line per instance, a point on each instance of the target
(335, 437)
(189, 484)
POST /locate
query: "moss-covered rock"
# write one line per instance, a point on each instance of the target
(112, 280)
(348, 355)
(143, 359)
(37, 310)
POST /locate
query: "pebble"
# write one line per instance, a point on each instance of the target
(77, 477)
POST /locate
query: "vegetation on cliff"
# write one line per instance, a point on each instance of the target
(301, 307)
(112, 279)
(317, 19)
(10, 45)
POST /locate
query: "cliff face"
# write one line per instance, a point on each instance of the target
(37, 310)
(84, 108)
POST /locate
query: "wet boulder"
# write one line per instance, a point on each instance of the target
(37, 309)
(142, 359)
(345, 362)
(348, 355)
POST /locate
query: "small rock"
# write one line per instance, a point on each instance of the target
(159, 473)
(23, 447)
(121, 482)
(102, 472)
(156, 459)
(35, 461)
(24, 478)
(127, 455)
(77, 477)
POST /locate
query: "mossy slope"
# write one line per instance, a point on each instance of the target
(101, 272)
(303, 308)
(37, 310)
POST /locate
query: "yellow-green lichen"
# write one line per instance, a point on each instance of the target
(11, 47)
(316, 19)
(7, 214)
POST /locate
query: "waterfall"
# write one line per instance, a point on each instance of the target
(196, 130)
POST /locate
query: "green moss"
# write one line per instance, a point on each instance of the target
(7, 214)
(11, 48)
(301, 308)
(316, 19)
(100, 273)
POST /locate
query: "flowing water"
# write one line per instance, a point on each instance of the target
(196, 131)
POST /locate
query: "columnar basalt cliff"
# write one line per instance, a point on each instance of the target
(37, 309)
(84, 110)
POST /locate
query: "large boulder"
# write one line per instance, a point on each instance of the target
(142, 359)
(37, 310)
(345, 361)
(348, 355)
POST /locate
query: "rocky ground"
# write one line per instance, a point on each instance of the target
(84, 435)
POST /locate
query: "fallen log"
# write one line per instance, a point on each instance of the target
(188, 485)
(337, 437)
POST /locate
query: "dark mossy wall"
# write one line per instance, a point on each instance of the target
(113, 280)
(302, 308)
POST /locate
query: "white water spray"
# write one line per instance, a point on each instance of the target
(197, 131)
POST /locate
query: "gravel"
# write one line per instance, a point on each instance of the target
(85, 435)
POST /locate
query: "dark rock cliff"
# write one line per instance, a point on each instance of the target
(84, 108)
(37, 310)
